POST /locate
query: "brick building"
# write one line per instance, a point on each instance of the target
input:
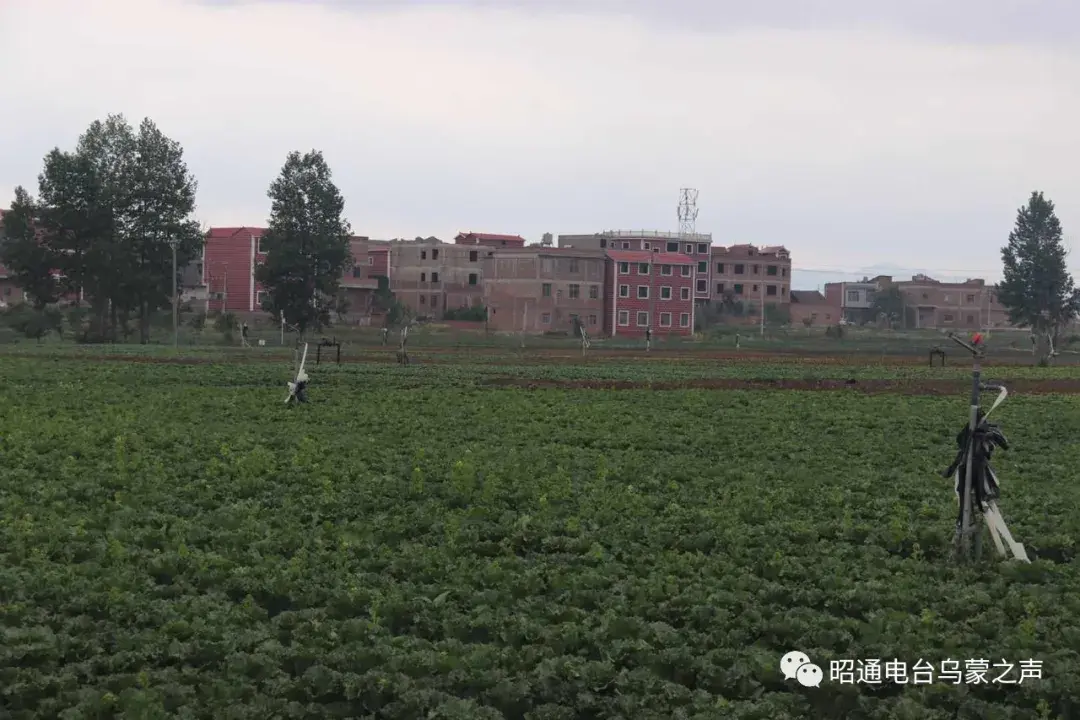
(650, 288)
(809, 307)
(540, 289)
(231, 254)
(928, 303)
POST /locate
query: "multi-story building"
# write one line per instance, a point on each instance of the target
(650, 289)
(853, 300)
(541, 289)
(928, 303)
(697, 246)
(492, 240)
(230, 256)
(761, 276)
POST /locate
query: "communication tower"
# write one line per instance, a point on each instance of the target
(688, 211)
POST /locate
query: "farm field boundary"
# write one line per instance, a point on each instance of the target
(1069, 386)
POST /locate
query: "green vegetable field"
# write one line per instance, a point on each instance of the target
(424, 543)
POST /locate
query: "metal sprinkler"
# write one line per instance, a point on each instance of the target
(976, 485)
(298, 387)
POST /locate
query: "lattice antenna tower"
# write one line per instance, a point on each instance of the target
(688, 211)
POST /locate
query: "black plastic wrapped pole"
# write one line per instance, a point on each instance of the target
(967, 486)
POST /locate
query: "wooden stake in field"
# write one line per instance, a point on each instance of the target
(585, 344)
(402, 353)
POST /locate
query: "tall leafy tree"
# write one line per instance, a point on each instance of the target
(29, 260)
(108, 212)
(307, 243)
(1037, 290)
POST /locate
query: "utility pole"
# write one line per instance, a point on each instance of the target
(652, 298)
(762, 286)
(175, 309)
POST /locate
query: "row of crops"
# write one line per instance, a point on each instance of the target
(175, 542)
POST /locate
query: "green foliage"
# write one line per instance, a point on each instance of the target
(32, 321)
(1037, 289)
(474, 313)
(889, 305)
(104, 218)
(225, 323)
(175, 544)
(307, 243)
(777, 314)
(27, 259)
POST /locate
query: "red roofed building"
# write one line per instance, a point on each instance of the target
(649, 289)
(489, 239)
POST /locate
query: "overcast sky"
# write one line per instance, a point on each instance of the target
(863, 135)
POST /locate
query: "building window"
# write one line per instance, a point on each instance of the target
(971, 298)
(472, 256)
(258, 245)
(625, 245)
(688, 249)
(665, 269)
(925, 296)
(673, 247)
(971, 318)
(684, 293)
(756, 269)
(665, 319)
(783, 289)
(423, 254)
(545, 318)
(755, 288)
(356, 272)
(703, 267)
(853, 295)
(434, 277)
(434, 301)
(574, 265)
(770, 290)
(946, 298)
(947, 318)
(643, 269)
(642, 318)
(684, 320)
(643, 292)
(771, 270)
(719, 288)
(686, 270)
(703, 248)
(370, 260)
(259, 297)
(575, 292)
(665, 292)
(594, 292)
(545, 289)
(739, 269)
(624, 317)
(592, 319)
(702, 287)
(624, 268)
(646, 246)
(719, 268)
(624, 291)
(434, 256)
(423, 277)
(783, 272)
(738, 288)
(603, 242)
(473, 278)
(423, 299)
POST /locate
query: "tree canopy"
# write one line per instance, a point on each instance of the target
(1037, 289)
(306, 244)
(103, 224)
